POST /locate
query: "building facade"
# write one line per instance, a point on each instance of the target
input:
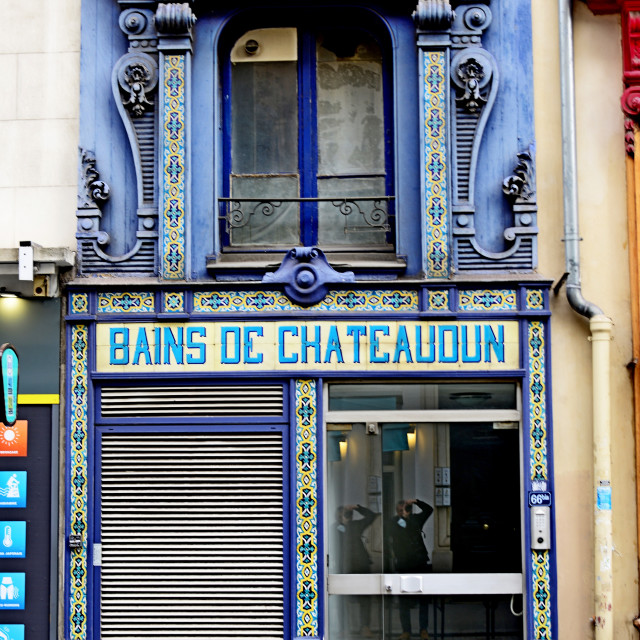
(322, 375)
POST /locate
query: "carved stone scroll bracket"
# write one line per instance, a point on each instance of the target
(306, 274)
(174, 18)
(520, 190)
(134, 84)
(474, 75)
(93, 240)
(92, 192)
(433, 15)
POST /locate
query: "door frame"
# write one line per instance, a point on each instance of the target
(434, 583)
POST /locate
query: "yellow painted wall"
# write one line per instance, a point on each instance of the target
(39, 106)
(605, 281)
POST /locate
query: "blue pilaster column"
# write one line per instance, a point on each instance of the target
(433, 20)
(174, 22)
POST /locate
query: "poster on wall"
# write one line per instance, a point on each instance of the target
(26, 482)
(11, 632)
(13, 441)
(12, 590)
(13, 539)
(13, 489)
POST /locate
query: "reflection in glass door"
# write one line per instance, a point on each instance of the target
(424, 535)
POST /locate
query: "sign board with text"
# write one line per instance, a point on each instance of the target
(378, 346)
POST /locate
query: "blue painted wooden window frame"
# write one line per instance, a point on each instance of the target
(308, 170)
(214, 32)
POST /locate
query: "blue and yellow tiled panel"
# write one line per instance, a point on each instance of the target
(436, 198)
(174, 169)
(401, 300)
(307, 543)
(541, 601)
(78, 473)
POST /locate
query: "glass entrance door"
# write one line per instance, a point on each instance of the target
(424, 528)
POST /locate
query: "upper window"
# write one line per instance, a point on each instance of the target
(307, 141)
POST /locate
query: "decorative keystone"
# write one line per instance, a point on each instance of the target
(305, 274)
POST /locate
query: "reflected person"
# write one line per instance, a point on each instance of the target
(411, 556)
(351, 553)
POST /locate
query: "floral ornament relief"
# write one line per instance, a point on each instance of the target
(471, 74)
(137, 77)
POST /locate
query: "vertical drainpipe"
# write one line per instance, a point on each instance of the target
(601, 327)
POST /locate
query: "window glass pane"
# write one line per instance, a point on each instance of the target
(350, 104)
(355, 500)
(267, 221)
(416, 498)
(264, 102)
(352, 222)
(422, 396)
(485, 499)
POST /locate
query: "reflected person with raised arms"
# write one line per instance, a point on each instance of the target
(411, 556)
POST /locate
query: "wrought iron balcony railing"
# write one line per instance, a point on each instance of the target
(364, 213)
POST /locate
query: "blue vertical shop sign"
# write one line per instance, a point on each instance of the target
(13, 489)
(12, 632)
(9, 387)
(13, 539)
(12, 590)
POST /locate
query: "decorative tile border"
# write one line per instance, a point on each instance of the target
(535, 299)
(488, 300)
(437, 300)
(173, 302)
(541, 599)
(355, 300)
(79, 303)
(435, 94)
(78, 429)
(541, 595)
(235, 302)
(126, 302)
(307, 588)
(173, 157)
(537, 406)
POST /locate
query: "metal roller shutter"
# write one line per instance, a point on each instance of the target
(192, 535)
(209, 401)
